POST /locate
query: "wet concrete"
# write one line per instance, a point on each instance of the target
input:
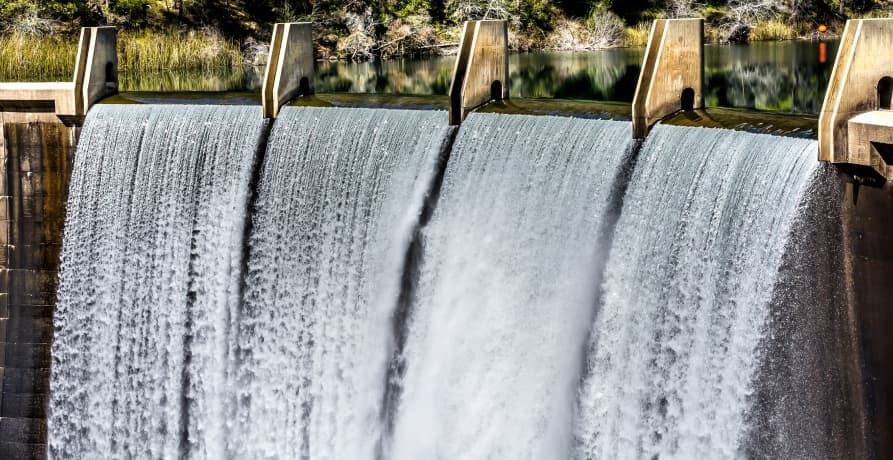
(867, 222)
(36, 165)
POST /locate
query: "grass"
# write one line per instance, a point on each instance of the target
(29, 58)
(637, 37)
(51, 57)
(175, 50)
(772, 29)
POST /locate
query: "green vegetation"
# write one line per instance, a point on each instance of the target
(39, 36)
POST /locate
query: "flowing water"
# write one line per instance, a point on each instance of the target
(149, 283)
(339, 199)
(687, 295)
(555, 292)
(505, 293)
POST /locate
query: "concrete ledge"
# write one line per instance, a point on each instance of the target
(870, 141)
(482, 69)
(289, 71)
(862, 72)
(672, 74)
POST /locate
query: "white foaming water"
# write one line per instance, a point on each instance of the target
(505, 296)
(688, 285)
(149, 282)
(340, 196)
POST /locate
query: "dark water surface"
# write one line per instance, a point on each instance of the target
(786, 76)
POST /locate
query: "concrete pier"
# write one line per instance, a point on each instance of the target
(672, 76)
(482, 68)
(289, 71)
(861, 82)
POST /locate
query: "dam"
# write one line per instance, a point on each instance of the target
(313, 276)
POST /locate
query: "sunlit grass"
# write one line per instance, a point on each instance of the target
(29, 58)
(51, 57)
(637, 37)
(174, 50)
(772, 30)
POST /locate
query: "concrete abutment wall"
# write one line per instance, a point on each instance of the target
(36, 163)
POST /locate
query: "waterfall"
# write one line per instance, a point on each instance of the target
(505, 294)
(149, 282)
(339, 200)
(688, 293)
(372, 284)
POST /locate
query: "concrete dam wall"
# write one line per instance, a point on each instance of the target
(374, 283)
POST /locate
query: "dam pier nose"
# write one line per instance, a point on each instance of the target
(289, 71)
(482, 68)
(672, 77)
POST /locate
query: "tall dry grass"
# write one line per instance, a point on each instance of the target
(26, 57)
(637, 37)
(149, 50)
(34, 58)
(772, 29)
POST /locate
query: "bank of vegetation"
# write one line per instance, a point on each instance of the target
(39, 36)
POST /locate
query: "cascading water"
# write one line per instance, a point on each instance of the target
(339, 200)
(500, 315)
(149, 284)
(363, 330)
(688, 292)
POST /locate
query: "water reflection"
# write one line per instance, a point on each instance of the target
(247, 78)
(778, 76)
(784, 76)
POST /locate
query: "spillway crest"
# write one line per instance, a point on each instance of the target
(340, 196)
(149, 282)
(500, 316)
(688, 292)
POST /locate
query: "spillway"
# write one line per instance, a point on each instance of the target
(339, 200)
(688, 295)
(149, 283)
(371, 284)
(501, 314)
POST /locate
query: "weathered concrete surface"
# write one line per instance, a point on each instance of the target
(289, 71)
(870, 139)
(482, 68)
(863, 59)
(674, 62)
(867, 222)
(53, 97)
(34, 171)
(95, 77)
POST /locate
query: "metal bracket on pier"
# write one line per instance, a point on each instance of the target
(856, 123)
(482, 68)
(289, 70)
(95, 77)
(672, 75)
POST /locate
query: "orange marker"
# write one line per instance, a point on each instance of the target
(823, 28)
